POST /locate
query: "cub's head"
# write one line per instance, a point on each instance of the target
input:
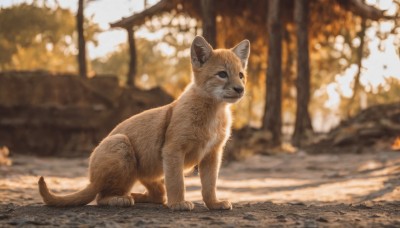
(220, 73)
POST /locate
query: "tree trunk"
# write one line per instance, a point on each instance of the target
(209, 21)
(81, 40)
(132, 54)
(303, 121)
(360, 51)
(272, 120)
(287, 72)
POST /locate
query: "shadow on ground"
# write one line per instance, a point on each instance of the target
(301, 190)
(244, 215)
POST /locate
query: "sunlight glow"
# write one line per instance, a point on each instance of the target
(382, 63)
(381, 4)
(289, 190)
(102, 13)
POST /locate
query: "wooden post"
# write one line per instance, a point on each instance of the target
(272, 120)
(360, 52)
(303, 121)
(132, 54)
(81, 40)
(209, 21)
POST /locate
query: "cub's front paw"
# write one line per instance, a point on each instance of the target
(219, 205)
(181, 206)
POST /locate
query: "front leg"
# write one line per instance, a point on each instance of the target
(209, 168)
(173, 162)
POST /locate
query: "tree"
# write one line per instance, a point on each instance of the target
(154, 68)
(360, 55)
(36, 37)
(209, 22)
(33, 37)
(272, 120)
(303, 121)
(132, 58)
(81, 40)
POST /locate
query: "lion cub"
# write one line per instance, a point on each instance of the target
(157, 145)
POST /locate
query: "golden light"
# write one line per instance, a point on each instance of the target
(396, 144)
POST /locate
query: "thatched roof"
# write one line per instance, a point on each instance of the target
(247, 19)
(252, 9)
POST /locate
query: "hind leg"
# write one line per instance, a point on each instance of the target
(119, 201)
(155, 193)
(113, 166)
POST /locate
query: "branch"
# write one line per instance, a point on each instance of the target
(139, 18)
(366, 11)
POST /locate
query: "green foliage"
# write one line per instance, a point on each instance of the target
(33, 37)
(155, 68)
(116, 63)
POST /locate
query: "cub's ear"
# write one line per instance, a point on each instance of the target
(242, 50)
(200, 51)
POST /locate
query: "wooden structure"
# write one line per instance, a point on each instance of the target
(254, 13)
(234, 20)
(206, 11)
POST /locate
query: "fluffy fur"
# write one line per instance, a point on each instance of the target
(158, 145)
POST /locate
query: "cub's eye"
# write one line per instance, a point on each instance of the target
(222, 74)
(241, 76)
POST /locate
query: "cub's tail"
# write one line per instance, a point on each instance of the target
(79, 198)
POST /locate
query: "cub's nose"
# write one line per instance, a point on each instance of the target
(238, 89)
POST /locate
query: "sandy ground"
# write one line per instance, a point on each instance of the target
(288, 190)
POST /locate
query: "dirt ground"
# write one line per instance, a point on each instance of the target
(287, 190)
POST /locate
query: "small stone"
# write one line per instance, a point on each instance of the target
(322, 219)
(249, 216)
(280, 217)
(206, 218)
(140, 223)
(310, 223)
(363, 206)
(4, 216)
(13, 222)
(297, 203)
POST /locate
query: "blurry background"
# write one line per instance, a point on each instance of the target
(322, 101)
(71, 70)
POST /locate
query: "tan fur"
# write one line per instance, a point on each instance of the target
(158, 145)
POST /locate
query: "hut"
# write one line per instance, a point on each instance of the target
(248, 18)
(225, 22)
